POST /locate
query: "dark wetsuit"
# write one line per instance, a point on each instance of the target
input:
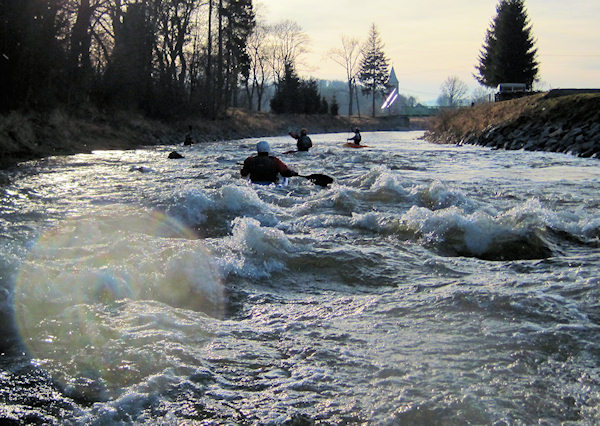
(356, 138)
(304, 143)
(264, 168)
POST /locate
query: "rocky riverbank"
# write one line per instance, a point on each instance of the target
(557, 121)
(26, 136)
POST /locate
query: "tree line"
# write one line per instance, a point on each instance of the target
(162, 57)
(150, 55)
(176, 57)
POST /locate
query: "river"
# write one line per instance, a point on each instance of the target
(429, 284)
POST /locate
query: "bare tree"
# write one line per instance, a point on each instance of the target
(348, 56)
(288, 43)
(259, 70)
(173, 28)
(453, 93)
(129, 53)
(480, 95)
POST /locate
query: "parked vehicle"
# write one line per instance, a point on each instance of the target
(510, 91)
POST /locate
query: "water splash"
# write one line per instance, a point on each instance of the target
(86, 283)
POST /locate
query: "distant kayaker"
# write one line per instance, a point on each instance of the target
(188, 137)
(304, 142)
(264, 168)
(356, 138)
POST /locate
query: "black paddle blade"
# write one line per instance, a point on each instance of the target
(319, 179)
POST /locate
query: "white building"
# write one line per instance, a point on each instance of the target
(391, 105)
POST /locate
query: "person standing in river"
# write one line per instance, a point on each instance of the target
(303, 141)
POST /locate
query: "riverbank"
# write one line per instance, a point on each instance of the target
(38, 135)
(557, 121)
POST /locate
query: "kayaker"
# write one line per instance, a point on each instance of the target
(188, 137)
(356, 138)
(264, 168)
(303, 141)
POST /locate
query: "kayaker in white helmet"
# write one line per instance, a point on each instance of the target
(265, 168)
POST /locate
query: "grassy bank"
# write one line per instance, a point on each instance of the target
(25, 136)
(556, 121)
(454, 125)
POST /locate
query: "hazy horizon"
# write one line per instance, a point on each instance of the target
(428, 41)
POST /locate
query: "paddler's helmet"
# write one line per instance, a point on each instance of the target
(303, 131)
(263, 146)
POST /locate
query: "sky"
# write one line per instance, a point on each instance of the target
(427, 41)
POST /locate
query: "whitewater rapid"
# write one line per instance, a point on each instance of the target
(428, 284)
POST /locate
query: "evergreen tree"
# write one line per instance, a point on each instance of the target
(287, 95)
(334, 108)
(295, 96)
(310, 100)
(508, 53)
(373, 73)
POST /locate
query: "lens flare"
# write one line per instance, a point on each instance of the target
(100, 298)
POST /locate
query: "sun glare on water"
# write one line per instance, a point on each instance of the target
(99, 297)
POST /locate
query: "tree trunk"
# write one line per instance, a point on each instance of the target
(357, 103)
(209, 82)
(81, 38)
(373, 102)
(350, 83)
(219, 91)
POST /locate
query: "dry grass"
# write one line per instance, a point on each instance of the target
(452, 126)
(457, 123)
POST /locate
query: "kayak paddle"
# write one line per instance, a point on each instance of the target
(319, 179)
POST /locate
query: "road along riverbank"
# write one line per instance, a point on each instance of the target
(557, 121)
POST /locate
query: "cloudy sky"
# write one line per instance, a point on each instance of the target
(429, 40)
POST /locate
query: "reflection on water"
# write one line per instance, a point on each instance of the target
(428, 282)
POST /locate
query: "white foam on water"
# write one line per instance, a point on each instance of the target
(531, 213)
(388, 182)
(239, 199)
(368, 179)
(371, 221)
(190, 205)
(254, 251)
(375, 256)
(79, 277)
(195, 206)
(93, 258)
(438, 196)
(133, 403)
(476, 234)
(590, 228)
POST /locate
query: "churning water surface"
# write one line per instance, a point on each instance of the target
(429, 284)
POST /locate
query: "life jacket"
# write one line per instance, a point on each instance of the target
(304, 143)
(263, 169)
